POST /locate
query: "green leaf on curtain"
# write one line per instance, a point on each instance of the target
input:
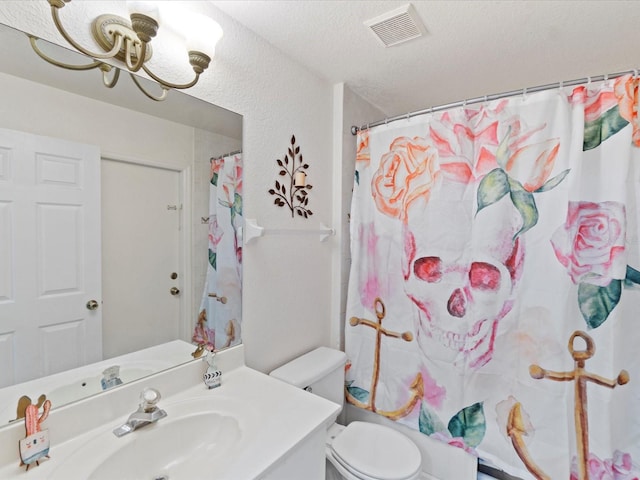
(525, 204)
(212, 258)
(596, 303)
(357, 177)
(358, 393)
(236, 208)
(214, 179)
(554, 182)
(632, 276)
(237, 203)
(469, 423)
(429, 422)
(492, 188)
(603, 127)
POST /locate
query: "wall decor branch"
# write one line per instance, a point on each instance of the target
(292, 190)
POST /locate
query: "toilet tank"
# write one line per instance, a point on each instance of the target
(320, 371)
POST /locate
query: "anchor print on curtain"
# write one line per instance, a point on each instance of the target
(219, 317)
(491, 237)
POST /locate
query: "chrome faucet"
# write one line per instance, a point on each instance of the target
(148, 412)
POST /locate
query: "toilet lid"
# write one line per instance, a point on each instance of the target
(377, 451)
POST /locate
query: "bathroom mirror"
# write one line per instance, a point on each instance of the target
(145, 148)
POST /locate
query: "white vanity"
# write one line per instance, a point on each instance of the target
(251, 427)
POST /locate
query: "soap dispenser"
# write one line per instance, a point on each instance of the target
(212, 377)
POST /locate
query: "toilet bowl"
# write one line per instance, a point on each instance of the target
(359, 450)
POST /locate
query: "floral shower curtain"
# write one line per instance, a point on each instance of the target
(493, 300)
(220, 313)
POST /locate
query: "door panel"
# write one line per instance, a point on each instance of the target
(141, 249)
(49, 255)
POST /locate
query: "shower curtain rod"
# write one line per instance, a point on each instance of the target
(523, 91)
(225, 155)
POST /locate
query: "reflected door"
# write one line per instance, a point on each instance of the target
(50, 315)
(141, 215)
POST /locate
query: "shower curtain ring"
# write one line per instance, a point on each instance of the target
(524, 93)
(635, 73)
(560, 85)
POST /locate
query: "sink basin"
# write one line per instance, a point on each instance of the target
(172, 448)
(196, 432)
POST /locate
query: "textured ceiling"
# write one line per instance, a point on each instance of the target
(472, 48)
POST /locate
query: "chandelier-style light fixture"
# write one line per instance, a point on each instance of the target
(129, 42)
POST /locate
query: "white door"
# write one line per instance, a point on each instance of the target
(49, 256)
(141, 214)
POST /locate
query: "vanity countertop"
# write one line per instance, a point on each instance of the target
(273, 418)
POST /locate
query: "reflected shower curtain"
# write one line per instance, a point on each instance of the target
(493, 300)
(220, 313)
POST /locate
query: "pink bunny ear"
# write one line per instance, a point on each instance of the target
(31, 419)
(46, 406)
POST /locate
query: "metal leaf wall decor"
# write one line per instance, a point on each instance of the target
(285, 191)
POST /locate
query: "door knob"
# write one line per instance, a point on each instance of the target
(92, 305)
(174, 291)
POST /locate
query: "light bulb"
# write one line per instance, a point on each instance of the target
(203, 35)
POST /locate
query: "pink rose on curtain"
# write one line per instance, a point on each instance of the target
(408, 171)
(620, 467)
(623, 466)
(626, 92)
(590, 245)
(466, 145)
(595, 103)
(608, 111)
(467, 139)
(237, 176)
(216, 166)
(532, 164)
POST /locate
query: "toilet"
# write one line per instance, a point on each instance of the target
(360, 450)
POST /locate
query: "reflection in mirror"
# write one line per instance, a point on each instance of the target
(107, 237)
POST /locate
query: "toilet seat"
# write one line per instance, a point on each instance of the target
(374, 452)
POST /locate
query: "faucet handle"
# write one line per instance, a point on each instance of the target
(149, 398)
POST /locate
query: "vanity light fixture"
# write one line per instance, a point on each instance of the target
(129, 42)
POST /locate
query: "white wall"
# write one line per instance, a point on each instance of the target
(42, 110)
(287, 280)
(349, 109)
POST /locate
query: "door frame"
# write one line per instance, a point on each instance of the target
(185, 235)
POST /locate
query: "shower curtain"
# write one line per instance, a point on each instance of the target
(493, 299)
(220, 314)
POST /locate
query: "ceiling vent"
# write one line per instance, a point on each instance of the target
(397, 26)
